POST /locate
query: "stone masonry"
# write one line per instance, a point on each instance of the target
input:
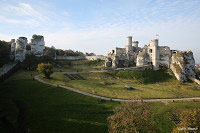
(181, 63)
(18, 48)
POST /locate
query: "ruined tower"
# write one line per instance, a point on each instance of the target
(135, 44)
(20, 49)
(37, 45)
(129, 47)
(12, 50)
(154, 53)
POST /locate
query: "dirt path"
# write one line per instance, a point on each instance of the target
(115, 99)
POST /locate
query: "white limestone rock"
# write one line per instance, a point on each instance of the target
(20, 49)
(183, 65)
(37, 45)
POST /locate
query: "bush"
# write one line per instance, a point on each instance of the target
(45, 69)
(131, 117)
(189, 121)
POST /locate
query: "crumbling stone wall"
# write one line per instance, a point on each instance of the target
(181, 63)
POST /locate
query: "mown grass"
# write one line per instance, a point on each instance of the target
(106, 84)
(51, 109)
(56, 110)
(144, 77)
(79, 66)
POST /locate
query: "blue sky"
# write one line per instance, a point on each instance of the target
(100, 25)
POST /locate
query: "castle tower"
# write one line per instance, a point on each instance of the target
(37, 45)
(12, 51)
(20, 50)
(129, 47)
(155, 53)
(135, 44)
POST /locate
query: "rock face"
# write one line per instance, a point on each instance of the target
(37, 45)
(183, 65)
(20, 49)
(12, 51)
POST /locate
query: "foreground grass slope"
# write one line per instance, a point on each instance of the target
(56, 110)
(51, 109)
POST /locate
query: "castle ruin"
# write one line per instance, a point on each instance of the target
(19, 51)
(181, 63)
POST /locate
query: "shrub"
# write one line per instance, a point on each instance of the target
(45, 69)
(131, 117)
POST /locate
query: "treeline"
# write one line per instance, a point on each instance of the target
(4, 52)
(60, 52)
(49, 52)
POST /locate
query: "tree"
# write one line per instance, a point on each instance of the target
(50, 52)
(131, 117)
(45, 69)
(90, 54)
(189, 122)
(4, 52)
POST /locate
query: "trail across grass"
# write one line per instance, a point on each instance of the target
(114, 85)
(56, 110)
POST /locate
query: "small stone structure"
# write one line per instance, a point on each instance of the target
(181, 63)
(18, 48)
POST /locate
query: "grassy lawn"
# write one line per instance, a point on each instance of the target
(105, 84)
(52, 109)
(80, 65)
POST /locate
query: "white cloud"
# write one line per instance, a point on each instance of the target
(24, 9)
(5, 37)
(65, 13)
(31, 22)
(23, 14)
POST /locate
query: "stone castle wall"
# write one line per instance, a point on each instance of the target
(6, 68)
(101, 57)
(182, 63)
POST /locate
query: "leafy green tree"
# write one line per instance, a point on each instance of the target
(45, 69)
(189, 122)
(4, 52)
(131, 117)
(50, 52)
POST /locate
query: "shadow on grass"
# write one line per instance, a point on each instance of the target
(144, 77)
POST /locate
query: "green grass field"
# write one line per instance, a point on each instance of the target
(105, 84)
(45, 108)
(52, 109)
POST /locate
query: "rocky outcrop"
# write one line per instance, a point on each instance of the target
(183, 65)
(20, 50)
(37, 45)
